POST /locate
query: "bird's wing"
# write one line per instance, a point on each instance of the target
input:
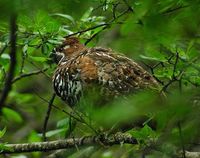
(119, 73)
(116, 74)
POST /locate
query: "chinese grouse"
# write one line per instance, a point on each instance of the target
(80, 67)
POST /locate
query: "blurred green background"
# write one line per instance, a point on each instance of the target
(163, 36)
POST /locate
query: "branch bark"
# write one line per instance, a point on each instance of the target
(29, 74)
(188, 154)
(47, 117)
(8, 82)
(117, 138)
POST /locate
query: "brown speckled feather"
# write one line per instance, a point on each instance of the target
(81, 67)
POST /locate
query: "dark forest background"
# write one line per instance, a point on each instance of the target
(163, 36)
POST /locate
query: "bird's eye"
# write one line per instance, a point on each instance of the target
(60, 49)
(57, 54)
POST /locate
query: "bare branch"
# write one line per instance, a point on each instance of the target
(181, 139)
(58, 108)
(171, 10)
(88, 29)
(174, 77)
(29, 74)
(39, 69)
(47, 116)
(117, 138)
(189, 154)
(108, 25)
(129, 6)
(8, 82)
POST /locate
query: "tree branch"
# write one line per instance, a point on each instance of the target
(8, 82)
(117, 138)
(171, 10)
(108, 25)
(47, 117)
(29, 74)
(181, 139)
(88, 29)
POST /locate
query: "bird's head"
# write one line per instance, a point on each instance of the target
(70, 46)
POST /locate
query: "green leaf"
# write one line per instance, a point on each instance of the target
(45, 49)
(5, 56)
(147, 131)
(2, 132)
(87, 14)
(12, 115)
(25, 48)
(143, 134)
(55, 42)
(162, 59)
(54, 132)
(63, 123)
(4, 60)
(4, 147)
(45, 24)
(34, 137)
(70, 18)
(166, 72)
(35, 41)
(21, 98)
(38, 59)
(84, 152)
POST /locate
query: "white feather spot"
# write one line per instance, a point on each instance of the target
(66, 47)
(78, 88)
(57, 77)
(60, 84)
(63, 63)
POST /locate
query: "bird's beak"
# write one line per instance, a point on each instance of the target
(53, 58)
(56, 56)
(52, 54)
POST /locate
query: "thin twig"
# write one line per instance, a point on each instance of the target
(175, 65)
(174, 76)
(170, 10)
(114, 7)
(128, 5)
(39, 69)
(181, 138)
(88, 29)
(23, 56)
(8, 82)
(57, 108)
(152, 72)
(79, 118)
(29, 74)
(47, 117)
(85, 122)
(106, 26)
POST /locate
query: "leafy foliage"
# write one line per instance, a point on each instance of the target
(162, 35)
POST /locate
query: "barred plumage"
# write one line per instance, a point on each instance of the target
(79, 67)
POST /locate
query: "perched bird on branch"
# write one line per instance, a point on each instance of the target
(80, 67)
